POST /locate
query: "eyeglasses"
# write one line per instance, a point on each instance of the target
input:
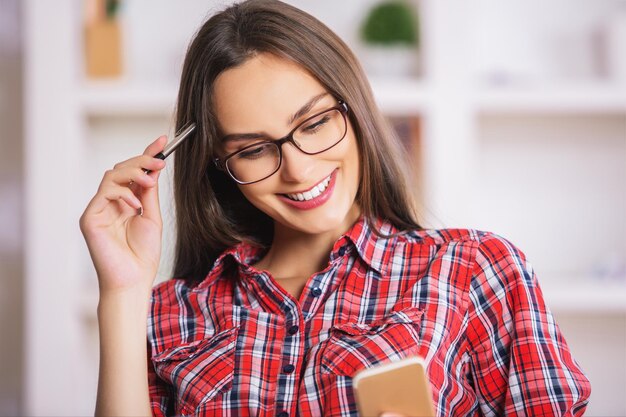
(261, 160)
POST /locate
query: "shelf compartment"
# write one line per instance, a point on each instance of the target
(589, 97)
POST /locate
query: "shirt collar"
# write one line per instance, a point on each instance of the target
(243, 253)
(374, 250)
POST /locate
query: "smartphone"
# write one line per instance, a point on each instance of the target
(400, 387)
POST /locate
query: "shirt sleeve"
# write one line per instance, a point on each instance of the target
(162, 394)
(521, 364)
(161, 400)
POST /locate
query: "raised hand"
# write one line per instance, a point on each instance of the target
(122, 223)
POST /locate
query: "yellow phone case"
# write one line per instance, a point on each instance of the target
(401, 387)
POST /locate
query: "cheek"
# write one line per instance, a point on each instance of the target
(346, 151)
(254, 193)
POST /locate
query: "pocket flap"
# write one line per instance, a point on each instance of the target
(355, 346)
(200, 370)
(190, 350)
(410, 315)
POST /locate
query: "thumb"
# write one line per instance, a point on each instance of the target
(150, 196)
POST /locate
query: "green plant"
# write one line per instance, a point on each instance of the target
(391, 22)
(112, 8)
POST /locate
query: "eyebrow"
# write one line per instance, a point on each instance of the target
(307, 107)
(298, 114)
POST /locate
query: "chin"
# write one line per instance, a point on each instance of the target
(322, 221)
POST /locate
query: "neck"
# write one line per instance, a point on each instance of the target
(296, 255)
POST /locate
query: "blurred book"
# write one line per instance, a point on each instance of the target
(103, 39)
(408, 129)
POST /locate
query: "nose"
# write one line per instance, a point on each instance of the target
(296, 166)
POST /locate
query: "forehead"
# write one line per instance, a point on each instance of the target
(263, 92)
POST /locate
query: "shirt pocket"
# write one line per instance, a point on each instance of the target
(355, 346)
(199, 370)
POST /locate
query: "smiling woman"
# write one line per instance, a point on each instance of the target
(318, 75)
(321, 148)
(299, 259)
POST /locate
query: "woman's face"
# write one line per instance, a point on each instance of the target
(259, 99)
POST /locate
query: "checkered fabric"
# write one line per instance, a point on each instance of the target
(467, 301)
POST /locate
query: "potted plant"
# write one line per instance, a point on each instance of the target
(390, 33)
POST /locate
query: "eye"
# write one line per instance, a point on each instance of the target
(256, 152)
(315, 124)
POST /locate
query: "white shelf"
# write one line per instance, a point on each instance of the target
(120, 98)
(591, 97)
(577, 296)
(395, 97)
(401, 96)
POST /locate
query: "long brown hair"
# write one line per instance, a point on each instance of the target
(211, 213)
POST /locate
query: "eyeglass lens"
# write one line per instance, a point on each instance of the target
(315, 135)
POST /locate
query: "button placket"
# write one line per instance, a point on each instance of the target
(293, 352)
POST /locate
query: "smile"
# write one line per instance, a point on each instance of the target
(314, 197)
(311, 193)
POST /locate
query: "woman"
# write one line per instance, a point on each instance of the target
(299, 260)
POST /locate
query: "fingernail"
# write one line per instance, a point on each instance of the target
(140, 211)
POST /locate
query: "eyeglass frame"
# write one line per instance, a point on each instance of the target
(220, 163)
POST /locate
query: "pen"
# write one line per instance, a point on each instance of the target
(178, 139)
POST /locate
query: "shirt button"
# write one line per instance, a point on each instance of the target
(289, 368)
(293, 330)
(283, 414)
(316, 292)
(342, 251)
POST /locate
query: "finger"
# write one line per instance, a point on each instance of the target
(157, 146)
(150, 196)
(134, 173)
(150, 199)
(145, 162)
(112, 194)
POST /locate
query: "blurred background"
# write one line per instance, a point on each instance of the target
(514, 115)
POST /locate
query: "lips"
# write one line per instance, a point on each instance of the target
(311, 193)
(314, 196)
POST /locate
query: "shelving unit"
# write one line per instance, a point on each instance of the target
(573, 98)
(409, 97)
(469, 144)
(111, 99)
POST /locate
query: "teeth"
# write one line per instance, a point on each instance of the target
(312, 193)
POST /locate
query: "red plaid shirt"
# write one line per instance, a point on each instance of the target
(467, 301)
